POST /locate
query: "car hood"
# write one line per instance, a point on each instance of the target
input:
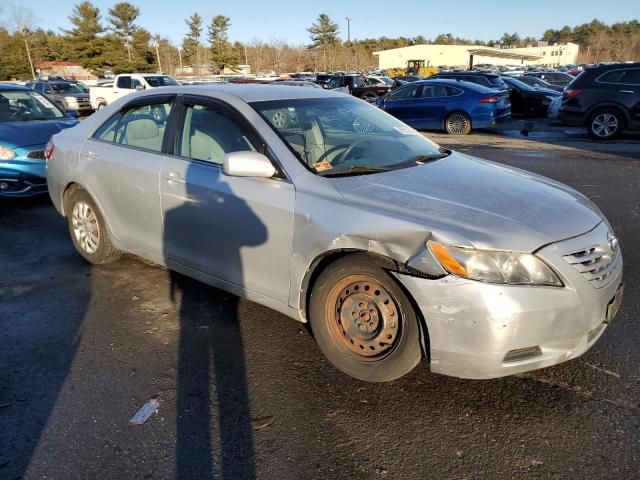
(32, 132)
(475, 202)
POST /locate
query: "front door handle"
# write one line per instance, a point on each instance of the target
(174, 177)
(628, 92)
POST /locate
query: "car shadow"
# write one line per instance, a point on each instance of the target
(41, 324)
(214, 429)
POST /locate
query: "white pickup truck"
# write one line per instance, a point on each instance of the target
(123, 84)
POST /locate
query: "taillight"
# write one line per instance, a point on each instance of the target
(574, 92)
(48, 150)
(491, 99)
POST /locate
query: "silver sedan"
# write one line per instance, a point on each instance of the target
(330, 211)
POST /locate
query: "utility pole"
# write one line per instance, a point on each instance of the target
(180, 60)
(348, 19)
(26, 44)
(246, 59)
(158, 55)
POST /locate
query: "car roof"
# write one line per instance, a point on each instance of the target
(251, 92)
(481, 74)
(12, 86)
(455, 83)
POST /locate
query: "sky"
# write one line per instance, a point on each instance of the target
(288, 19)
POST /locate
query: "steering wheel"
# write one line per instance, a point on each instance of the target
(345, 155)
(331, 150)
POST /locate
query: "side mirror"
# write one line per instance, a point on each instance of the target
(247, 164)
(73, 113)
(48, 90)
(140, 87)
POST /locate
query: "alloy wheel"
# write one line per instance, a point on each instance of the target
(605, 125)
(85, 227)
(457, 123)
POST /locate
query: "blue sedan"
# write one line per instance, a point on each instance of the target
(451, 105)
(27, 120)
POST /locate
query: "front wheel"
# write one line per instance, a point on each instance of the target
(88, 229)
(605, 124)
(457, 123)
(363, 322)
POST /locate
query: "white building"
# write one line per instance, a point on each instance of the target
(468, 55)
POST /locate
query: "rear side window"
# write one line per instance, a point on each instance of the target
(143, 126)
(433, 91)
(631, 76)
(107, 132)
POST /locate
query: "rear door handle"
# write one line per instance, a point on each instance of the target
(174, 177)
(627, 91)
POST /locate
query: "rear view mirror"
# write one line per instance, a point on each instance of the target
(247, 164)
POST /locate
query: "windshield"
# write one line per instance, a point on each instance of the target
(65, 88)
(334, 134)
(160, 81)
(21, 105)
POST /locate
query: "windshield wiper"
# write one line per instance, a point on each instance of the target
(356, 169)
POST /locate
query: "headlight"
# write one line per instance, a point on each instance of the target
(71, 99)
(494, 266)
(6, 153)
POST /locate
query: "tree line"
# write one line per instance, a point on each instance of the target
(115, 42)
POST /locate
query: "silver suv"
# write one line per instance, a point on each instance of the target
(332, 212)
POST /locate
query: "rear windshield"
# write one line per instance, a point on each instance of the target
(160, 81)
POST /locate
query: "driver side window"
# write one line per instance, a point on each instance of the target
(406, 93)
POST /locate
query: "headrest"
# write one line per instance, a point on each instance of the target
(142, 129)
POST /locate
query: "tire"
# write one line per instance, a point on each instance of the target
(457, 123)
(363, 321)
(88, 229)
(101, 105)
(368, 96)
(605, 124)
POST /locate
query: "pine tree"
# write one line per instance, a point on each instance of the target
(122, 17)
(84, 42)
(324, 33)
(222, 53)
(191, 42)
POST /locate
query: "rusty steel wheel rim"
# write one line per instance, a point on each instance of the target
(363, 317)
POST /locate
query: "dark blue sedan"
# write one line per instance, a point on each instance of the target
(27, 120)
(451, 105)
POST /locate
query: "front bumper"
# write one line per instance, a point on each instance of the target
(479, 330)
(23, 177)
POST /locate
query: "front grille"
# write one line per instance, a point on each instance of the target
(598, 264)
(36, 154)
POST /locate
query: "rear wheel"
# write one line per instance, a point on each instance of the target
(363, 321)
(457, 123)
(88, 230)
(605, 124)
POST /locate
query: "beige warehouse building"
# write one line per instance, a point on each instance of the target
(466, 55)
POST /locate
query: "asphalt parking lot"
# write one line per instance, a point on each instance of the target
(82, 348)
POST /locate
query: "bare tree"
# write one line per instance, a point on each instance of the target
(23, 21)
